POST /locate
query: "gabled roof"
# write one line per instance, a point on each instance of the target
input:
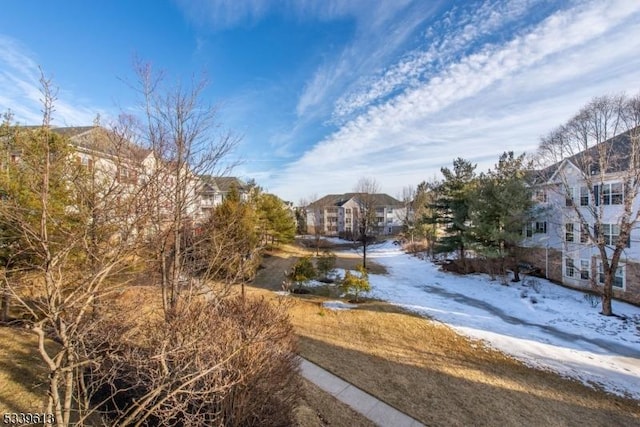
(101, 140)
(221, 184)
(378, 199)
(617, 150)
(98, 140)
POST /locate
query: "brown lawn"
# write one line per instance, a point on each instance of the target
(428, 371)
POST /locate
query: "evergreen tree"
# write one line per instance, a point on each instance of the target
(356, 284)
(424, 212)
(326, 263)
(302, 271)
(228, 250)
(500, 207)
(277, 223)
(451, 207)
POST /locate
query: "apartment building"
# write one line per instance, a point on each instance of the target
(578, 202)
(341, 214)
(106, 153)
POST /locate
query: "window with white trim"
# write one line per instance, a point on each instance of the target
(568, 232)
(585, 269)
(540, 196)
(541, 227)
(584, 233)
(528, 230)
(570, 194)
(609, 194)
(584, 196)
(610, 233)
(618, 278)
(569, 267)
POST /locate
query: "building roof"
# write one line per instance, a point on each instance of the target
(617, 152)
(379, 199)
(99, 140)
(221, 184)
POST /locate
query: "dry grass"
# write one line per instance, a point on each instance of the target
(21, 372)
(421, 367)
(428, 371)
(319, 408)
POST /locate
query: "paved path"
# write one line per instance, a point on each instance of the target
(369, 406)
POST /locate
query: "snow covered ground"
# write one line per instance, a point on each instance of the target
(544, 325)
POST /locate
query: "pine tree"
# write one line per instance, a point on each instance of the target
(277, 222)
(356, 284)
(500, 207)
(451, 208)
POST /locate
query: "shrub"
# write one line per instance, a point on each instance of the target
(356, 284)
(326, 263)
(302, 271)
(229, 362)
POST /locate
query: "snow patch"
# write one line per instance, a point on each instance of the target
(338, 305)
(543, 324)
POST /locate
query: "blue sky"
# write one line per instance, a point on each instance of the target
(324, 92)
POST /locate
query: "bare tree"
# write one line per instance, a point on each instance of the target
(366, 192)
(594, 168)
(314, 212)
(187, 142)
(75, 233)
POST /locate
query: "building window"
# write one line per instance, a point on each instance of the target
(585, 268)
(127, 176)
(569, 268)
(540, 196)
(528, 230)
(584, 196)
(347, 220)
(618, 278)
(348, 211)
(85, 162)
(609, 194)
(541, 227)
(569, 196)
(611, 233)
(584, 233)
(568, 232)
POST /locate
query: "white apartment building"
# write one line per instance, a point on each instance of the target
(340, 214)
(108, 154)
(561, 239)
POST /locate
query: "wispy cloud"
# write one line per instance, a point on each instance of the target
(20, 89)
(223, 14)
(484, 97)
(381, 31)
(447, 39)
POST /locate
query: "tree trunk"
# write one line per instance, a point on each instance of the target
(5, 300)
(364, 251)
(607, 294)
(516, 273)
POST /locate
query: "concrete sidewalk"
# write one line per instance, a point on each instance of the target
(362, 402)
